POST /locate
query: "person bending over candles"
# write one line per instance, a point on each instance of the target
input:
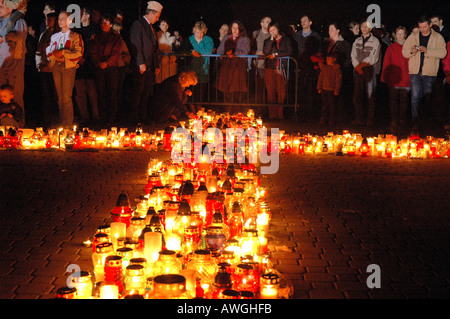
(172, 96)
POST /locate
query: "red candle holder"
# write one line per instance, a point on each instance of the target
(113, 271)
(245, 278)
(364, 149)
(167, 139)
(122, 212)
(153, 181)
(236, 221)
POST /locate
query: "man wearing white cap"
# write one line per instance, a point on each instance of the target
(12, 50)
(144, 52)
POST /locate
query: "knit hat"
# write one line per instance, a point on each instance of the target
(153, 5)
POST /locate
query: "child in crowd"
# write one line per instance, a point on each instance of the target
(329, 86)
(11, 113)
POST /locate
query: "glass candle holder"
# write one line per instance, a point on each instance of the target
(190, 275)
(171, 286)
(246, 278)
(82, 281)
(249, 242)
(118, 230)
(98, 260)
(215, 238)
(137, 224)
(191, 239)
(113, 271)
(99, 238)
(135, 280)
(127, 254)
(152, 246)
(222, 281)
(66, 293)
(269, 286)
(167, 263)
(204, 266)
(109, 290)
(230, 294)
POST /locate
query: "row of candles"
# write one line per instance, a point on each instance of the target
(116, 138)
(199, 230)
(353, 144)
(79, 139)
(349, 144)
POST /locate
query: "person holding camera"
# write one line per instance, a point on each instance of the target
(423, 49)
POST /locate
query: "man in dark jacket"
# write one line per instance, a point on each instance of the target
(301, 36)
(85, 88)
(309, 44)
(105, 49)
(144, 61)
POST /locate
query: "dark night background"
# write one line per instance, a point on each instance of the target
(183, 14)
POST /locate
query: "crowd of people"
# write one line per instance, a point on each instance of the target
(94, 74)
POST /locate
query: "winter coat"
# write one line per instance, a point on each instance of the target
(330, 78)
(283, 49)
(395, 67)
(73, 49)
(436, 50)
(368, 52)
(105, 47)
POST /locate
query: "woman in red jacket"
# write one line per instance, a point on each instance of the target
(396, 75)
(446, 67)
(446, 64)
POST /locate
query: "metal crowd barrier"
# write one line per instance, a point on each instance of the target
(208, 93)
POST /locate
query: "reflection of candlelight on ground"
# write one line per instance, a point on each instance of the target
(87, 243)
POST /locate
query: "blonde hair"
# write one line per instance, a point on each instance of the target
(186, 76)
(200, 25)
(402, 28)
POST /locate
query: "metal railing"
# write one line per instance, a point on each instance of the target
(208, 91)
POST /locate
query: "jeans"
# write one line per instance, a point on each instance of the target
(421, 85)
(64, 83)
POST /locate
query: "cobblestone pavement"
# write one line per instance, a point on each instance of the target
(332, 217)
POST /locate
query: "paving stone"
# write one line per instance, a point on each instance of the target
(337, 216)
